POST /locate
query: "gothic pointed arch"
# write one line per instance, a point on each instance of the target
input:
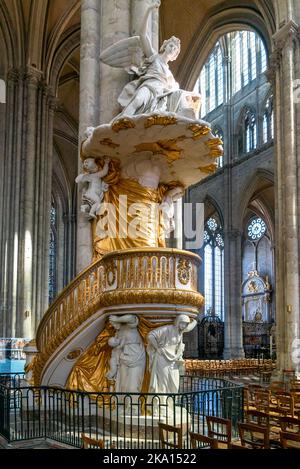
(37, 32)
(70, 42)
(9, 37)
(222, 20)
(57, 33)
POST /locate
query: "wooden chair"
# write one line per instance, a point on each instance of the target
(262, 401)
(220, 429)
(255, 436)
(285, 404)
(289, 440)
(91, 443)
(236, 446)
(197, 438)
(290, 425)
(164, 431)
(257, 417)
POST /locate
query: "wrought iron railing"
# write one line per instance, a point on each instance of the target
(120, 420)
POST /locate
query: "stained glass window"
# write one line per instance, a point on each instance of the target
(247, 59)
(53, 253)
(219, 133)
(268, 121)
(214, 267)
(211, 82)
(251, 131)
(256, 228)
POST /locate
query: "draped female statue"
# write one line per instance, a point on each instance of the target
(165, 350)
(128, 359)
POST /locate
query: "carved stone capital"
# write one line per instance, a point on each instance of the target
(53, 101)
(33, 76)
(13, 76)
(281, 39)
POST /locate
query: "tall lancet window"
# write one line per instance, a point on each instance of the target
(268, 121)
(218, 132)
(214, 267)
(53, 253)
(251, 131)
(211, 82)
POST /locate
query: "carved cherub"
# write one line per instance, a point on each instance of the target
(93, 195)
(167, 208)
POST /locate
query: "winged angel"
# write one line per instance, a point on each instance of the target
(154, 81)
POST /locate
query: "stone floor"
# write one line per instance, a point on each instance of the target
(34, 444)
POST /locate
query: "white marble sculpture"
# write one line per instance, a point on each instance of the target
(128, 358)
(116, 345)
(92, 196)
(154, 86)
(168, 210)
(165, 350)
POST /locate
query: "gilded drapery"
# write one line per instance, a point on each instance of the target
(150, 229)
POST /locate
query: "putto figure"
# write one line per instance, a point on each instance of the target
(93, 195)
(154, 83)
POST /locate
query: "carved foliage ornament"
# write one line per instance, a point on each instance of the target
(184, 271)
(111, 274)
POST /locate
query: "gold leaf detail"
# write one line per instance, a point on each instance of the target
(122, 124)
(198, 130)
(160, 120)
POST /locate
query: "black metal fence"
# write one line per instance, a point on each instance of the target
(119, 420)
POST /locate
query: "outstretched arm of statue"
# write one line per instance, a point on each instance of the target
(144, 37)
(191, 325)
(130, 319)
(104, 171)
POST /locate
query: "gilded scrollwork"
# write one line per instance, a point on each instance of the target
(184, 271)
(111, 273)
(160, 120)
(198, 130)
(122, 124)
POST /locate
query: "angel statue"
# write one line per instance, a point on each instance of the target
(154, 83)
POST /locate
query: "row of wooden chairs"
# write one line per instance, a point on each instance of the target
(273, 401)
(225, 367)
(254, 433)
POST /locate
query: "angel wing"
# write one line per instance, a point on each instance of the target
(126, 53)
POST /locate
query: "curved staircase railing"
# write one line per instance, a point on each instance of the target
(149, 275)
(72, 307)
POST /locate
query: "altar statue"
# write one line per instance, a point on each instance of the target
(154, 86)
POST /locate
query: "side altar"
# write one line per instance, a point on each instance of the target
(119, 325)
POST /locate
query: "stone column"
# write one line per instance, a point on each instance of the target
(26, 189)
(115, 25)
(138, 10)
(285, 69)
(233, 333)
(89, 112)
